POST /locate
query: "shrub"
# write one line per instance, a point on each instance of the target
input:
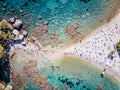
(118, 46)
(1, 51)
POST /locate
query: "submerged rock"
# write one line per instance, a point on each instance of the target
(21, 11)
(12, 10)
(3, 9)
(46, 23)
(85, 1)
(9, 87)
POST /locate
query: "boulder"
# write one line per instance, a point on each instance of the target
(3, 9)
(12, 20)
(21, 11)
(40, 17)
(5, 25)
(15, 32)
(20, 37)
(46, 23)
(9, 87)
(18, 24)
(25, 33)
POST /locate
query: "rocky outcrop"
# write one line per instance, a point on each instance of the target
(18, 24)
(73, 31)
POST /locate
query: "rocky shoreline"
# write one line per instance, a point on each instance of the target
(10, 34)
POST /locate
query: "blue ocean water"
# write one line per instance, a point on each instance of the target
(59, 13)
(68, 73)
(71, 74)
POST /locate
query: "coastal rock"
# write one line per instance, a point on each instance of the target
(40, 30)
(21, 11)
(12, 10)
(0, 19)
(18, 24)
(25, 33)
(2, 86)
(12, 20)
(69, 28)
(21, 37)
(45, 28)
(46, 23)
(9, 87)
(40, 17)
(5, 25)
(15, 32)
(4, 5)
(42, 81)
(83, 16)
(73, 30)
(3, 9)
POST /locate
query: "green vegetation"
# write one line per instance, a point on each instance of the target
(5, 26)
(118, 46)
(1, 51)
(112, 52)
(0, 88)
(5, 33)
(5, 29)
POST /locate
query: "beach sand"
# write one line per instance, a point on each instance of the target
(111, 27)
(68, 59)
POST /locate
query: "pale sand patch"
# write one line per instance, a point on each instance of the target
(105, 28)
(61, 52)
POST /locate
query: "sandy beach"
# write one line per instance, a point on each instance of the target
(96, 47)
(60, 45)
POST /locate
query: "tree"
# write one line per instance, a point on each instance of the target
(118, 46)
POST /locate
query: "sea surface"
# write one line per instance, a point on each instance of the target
(91, 13)
(69, 73)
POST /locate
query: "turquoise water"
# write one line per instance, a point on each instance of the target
(92, 14)
(82, 76)
(69, 73)
(59, 13)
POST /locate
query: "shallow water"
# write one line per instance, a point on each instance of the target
(59, 13)
(70, 73)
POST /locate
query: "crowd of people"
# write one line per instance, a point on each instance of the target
(101, 47)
